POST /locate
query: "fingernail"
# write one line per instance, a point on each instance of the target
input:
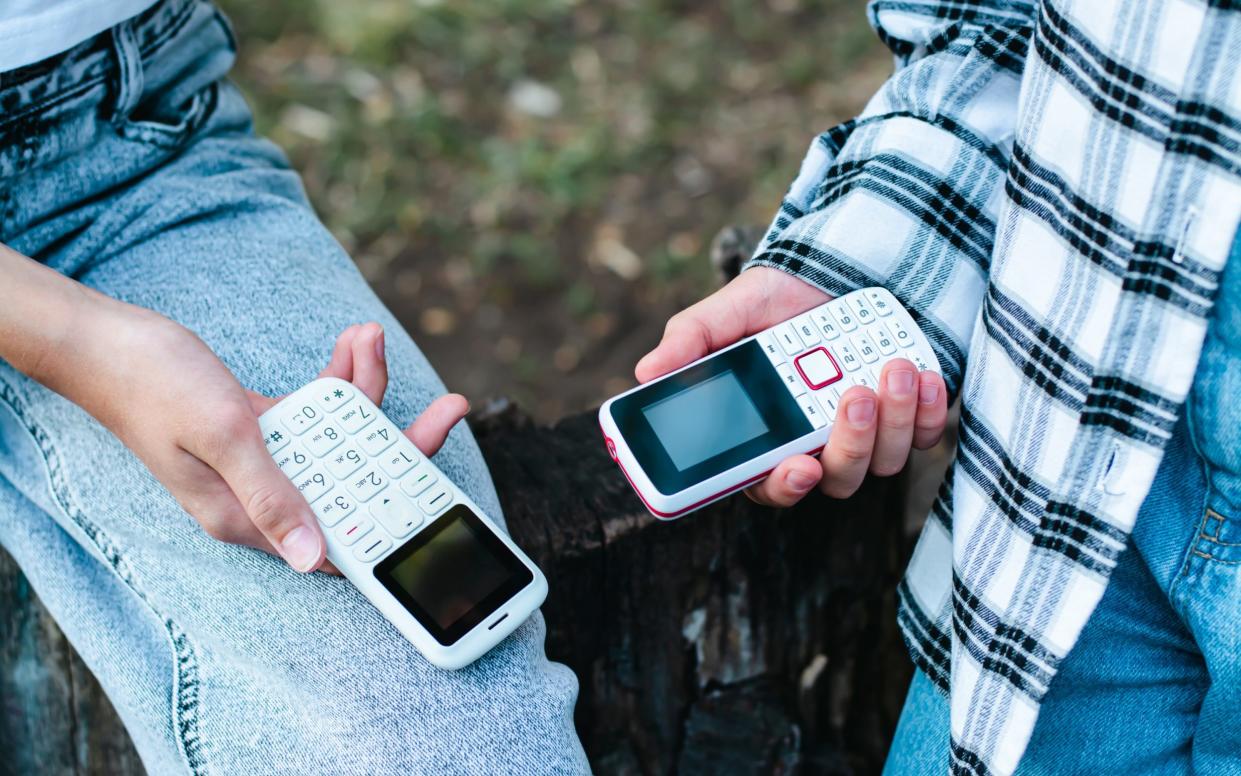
(900, 382)
(300, 548)
(928, 393)
(861, 412)
(379, 345)
(800, 481)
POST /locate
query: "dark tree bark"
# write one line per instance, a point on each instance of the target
(735, 640)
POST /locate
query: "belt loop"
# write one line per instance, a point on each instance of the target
(129, 78)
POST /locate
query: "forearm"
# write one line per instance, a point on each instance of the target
(40, 310)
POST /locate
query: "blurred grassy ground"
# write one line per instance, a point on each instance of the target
(532, 185)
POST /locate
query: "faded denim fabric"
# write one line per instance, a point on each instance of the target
(130, 164)
(1153, 686)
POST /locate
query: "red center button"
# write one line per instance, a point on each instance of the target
(818, 368)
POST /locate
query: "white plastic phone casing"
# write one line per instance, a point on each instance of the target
(669, 506)
(483, 636)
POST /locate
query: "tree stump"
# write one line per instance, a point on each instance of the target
(736, 640)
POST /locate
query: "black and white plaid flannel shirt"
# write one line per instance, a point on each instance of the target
(1052, 189)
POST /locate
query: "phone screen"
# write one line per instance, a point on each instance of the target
(705, 419)
(453, 574)
(694, 424)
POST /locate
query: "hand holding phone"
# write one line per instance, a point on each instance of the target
(874, 429)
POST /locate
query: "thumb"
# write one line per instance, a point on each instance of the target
(755, 299)
(694, 332)
(273, 503)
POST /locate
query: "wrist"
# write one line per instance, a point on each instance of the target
(37, 308)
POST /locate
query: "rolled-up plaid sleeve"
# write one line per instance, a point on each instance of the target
(906, 195)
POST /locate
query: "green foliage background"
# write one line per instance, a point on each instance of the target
(532, 184)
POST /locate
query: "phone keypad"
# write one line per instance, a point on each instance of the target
(276, 440)
(313, 483)
(333, 397)
(345, 461)
(348, 532)
(378, 438)
(302, 419)
(292, 460)
(333, 509)
(823, 352)
(365, 481)
(870, 354)
(356, 417)
(369, 482)
(791, 379)
(788, 338)
(324, 439)
(396, 514)
(418, 482)
(435, 500)
(399, 460)
(372, 548)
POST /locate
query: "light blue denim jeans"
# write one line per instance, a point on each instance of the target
(1153, 686)
(130, 164)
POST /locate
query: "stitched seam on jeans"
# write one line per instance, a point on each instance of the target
(186, 688)
(1182, 574)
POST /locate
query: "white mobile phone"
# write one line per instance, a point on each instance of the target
(415, 545)
(723, 422)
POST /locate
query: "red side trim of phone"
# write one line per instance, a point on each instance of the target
(612, 452)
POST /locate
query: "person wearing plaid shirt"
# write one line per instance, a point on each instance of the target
(1053, 190)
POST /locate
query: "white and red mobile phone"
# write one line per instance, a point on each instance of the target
(723, 422)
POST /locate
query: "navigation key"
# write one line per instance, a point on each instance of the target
(396, 514)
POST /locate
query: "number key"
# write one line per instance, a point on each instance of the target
(864, 313)
(378, 438)
(903, 338)
(399, 460)
(844, 316)
(332, 510)
(884, 340)
(303, 418)
(313, 483)
(808, 331)
(324, 439)
(364, 486)
(345, 461)
(826, 324)
(848, 359)
(869, 352)
(292, 461)
(789, 339)
(356, 417)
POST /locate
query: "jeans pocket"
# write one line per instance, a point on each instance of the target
(171, 126)
(1219, 538)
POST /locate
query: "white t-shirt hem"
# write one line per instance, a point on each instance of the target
(33, 31)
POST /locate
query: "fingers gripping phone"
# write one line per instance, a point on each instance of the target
(405, 535)
(723, 422)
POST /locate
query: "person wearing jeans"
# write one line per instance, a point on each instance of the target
(162, 278)
(1053, 189)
